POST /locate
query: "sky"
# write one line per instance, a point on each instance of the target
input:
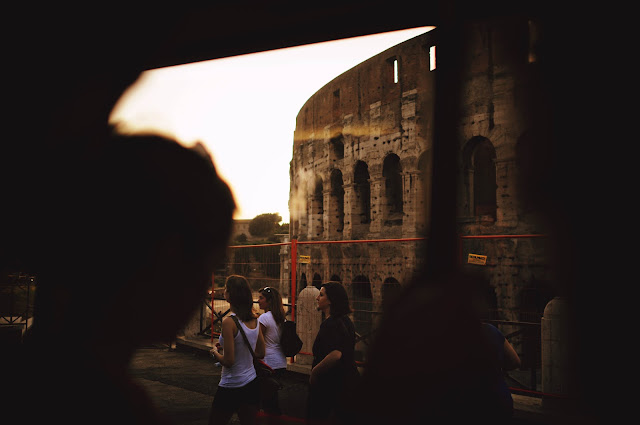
(243, 110)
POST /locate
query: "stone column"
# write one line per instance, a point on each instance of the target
(410, 203)
(555, 349)
(349, 203)
(327, 224)
(307, 323)
(377, 200)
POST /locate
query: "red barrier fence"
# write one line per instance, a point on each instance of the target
(374, 270)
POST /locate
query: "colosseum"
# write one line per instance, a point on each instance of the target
(361, 172)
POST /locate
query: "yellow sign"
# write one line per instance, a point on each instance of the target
(304, 259)
(477, 259)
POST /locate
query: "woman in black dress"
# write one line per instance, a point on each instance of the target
(334, 372)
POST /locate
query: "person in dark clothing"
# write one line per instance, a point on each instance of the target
(506, 358)
(334, 373)
(145, 225)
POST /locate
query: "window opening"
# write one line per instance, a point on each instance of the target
(317, 281)
(336, 217)
(432, 58)
(318, 211)
(392, 173)
(363, 194)
(395, 71)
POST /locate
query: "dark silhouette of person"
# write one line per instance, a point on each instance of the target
(145, 223)
(334, 373)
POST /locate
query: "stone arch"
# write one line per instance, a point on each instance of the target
(317, 280)
(362, 302)
(391, 289)
(336, 203)
(361, 210)
(392, 206)
(317, 210)
(303, 282)
(479, 156)
(335, 278)
(336, 148)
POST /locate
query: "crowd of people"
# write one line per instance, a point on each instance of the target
(335, 387)
(334, 372)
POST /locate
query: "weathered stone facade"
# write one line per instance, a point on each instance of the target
(362, 160)
(361, 150)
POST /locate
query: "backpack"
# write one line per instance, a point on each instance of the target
(289, 340)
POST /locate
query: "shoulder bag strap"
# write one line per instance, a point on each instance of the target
(235, 319)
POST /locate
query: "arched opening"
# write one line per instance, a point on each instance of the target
(480, 165)
(335, 278)
(336, 148)
(317, 211)
(393, 199)
(317, 281)
(391, 289)
(362, 192)
(484, 182)
(336, 203)
(302, 283)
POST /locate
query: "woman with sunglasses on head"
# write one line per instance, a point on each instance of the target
(270, 301)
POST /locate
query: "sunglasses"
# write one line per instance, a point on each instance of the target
(266, 289)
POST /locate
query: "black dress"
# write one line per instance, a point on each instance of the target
(327, 394)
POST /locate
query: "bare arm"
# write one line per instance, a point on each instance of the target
(511, 358)
(326, 364)
(228, 358)
(260, 345)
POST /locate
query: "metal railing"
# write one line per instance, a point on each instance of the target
(372, 270)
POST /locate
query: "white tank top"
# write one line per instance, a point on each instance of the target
(242, 371)
(274, 356)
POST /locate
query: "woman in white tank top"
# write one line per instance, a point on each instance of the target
(238, 390)
(270, 323)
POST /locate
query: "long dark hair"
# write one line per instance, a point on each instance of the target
(240, 297)
(275, 303)
(339, 299)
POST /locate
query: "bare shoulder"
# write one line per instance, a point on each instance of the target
(228, 322)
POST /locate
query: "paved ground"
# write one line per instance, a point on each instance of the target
(183, 380)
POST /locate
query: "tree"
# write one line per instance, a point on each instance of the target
(265, 225)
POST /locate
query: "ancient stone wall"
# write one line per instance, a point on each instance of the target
(362, 158)
(497, 123)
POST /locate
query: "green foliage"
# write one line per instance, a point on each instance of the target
(265, 225)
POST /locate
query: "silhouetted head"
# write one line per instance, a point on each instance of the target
(139, 232)
(338, 297)
(238, 293)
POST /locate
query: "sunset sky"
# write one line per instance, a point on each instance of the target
(243, 110)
